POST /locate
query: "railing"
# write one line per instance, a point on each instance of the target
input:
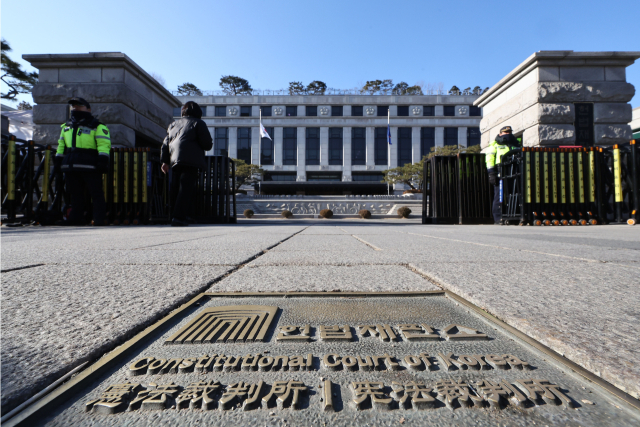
(456, 190)
(135, 189)
(330, 91)
(571, 186)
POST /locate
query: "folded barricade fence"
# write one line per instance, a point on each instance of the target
(456, 190)
(135, 189)
(570, 185)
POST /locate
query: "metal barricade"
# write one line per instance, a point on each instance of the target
(135, 189)
(456, 190)
(570, 186)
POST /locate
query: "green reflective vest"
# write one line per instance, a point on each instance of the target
(494, 152)
(95, 138)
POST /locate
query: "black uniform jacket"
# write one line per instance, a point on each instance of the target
(186, 141)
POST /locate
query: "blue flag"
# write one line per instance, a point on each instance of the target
(389, 133)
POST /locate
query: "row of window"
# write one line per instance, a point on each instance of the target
(326, 176)
(336, 111)
(358, 144)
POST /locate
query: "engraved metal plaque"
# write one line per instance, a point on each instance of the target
(347, 359)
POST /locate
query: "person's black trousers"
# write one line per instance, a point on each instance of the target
(183, 190)
(496, 208)
(76, 182)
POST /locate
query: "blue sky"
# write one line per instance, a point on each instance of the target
(343, 43)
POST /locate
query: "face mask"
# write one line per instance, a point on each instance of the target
(505, 139)
(78, 116)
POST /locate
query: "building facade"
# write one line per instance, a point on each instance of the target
(335, 144)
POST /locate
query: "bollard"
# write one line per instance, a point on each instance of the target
(125, 193)
(28, 196)
(116, 186)
(45, 177)
(11, 179)
(136, 208)
(617, 182)
(146, 173)
(635, 191)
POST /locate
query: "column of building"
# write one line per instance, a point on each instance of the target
(277, 146)
(392, 152)
(416, 154)
(255, 145)
(301, 163)
(346, 153)
(439, 132)
(324, 146)
(370, 134)
(233, 142)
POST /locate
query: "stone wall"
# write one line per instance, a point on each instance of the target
(635, 123)
(122, 95)
(537, 99)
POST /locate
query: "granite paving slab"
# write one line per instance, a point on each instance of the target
(132, 257)
(338, 243)
(587, 312)
(369, 278)
(55, 317)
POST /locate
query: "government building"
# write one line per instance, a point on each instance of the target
(335, 144)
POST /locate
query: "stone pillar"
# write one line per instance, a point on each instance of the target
(393, 110)
(302, 111)
(392, 153)
(370, 133)
(346, 110)
(415, 144)
(562, 98)
(346, 154)
(300, 168)
(122, 95)
(324, 146)
(462, 136)
(439, 136)
(255, 111)
(439, 111)
(277, 146)
(255, 145)
(233, 142)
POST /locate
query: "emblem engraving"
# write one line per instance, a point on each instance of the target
(237, 323)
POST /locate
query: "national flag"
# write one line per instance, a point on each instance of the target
(263, 132)
(389, 133)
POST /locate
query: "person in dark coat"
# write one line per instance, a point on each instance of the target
(183, 151)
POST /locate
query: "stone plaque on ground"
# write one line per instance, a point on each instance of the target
(331, 360)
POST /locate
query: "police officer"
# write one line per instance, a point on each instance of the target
(83, 155)
(504, 142)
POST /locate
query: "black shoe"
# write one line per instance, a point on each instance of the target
(175, 222)
(191, 220)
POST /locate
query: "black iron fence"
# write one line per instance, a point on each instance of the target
(456, 190)
(571, 186)
(135, 189)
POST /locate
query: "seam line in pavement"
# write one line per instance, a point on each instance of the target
(21, 268)
(372, 246)
(524, 250)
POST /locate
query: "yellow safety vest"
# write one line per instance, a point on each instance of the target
(87, 137)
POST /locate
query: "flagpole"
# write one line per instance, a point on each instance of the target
(389, 147)
(260, 141)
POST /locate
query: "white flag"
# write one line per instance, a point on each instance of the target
(263, 132)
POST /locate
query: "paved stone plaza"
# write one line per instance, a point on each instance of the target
(70, 295)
